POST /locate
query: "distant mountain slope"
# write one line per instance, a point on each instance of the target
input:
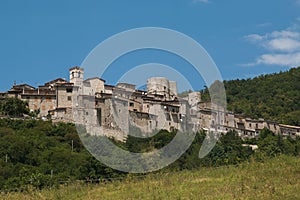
(273, 96)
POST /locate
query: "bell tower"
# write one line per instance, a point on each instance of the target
(76, 75)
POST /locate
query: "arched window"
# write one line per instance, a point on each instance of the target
(79, 74)
(72, 74)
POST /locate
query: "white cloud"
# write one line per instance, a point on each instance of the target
(201, 1)
(254, 38)
(284, 34)
(292, 59)
(283, 44)
(283, 47)
(284, 41)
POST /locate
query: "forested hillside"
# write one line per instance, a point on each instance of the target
(40, 154)
(273, 96)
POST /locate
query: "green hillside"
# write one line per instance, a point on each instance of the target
(272, 96)
(38, 154)
(40, 158)
(276, 178)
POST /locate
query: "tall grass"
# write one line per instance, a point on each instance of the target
(277, 178)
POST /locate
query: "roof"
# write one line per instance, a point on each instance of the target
(289, 126)
(65, 84)
(75, 67)
(254, 120)
(58, 80)
(127, 84)
(36, 94)
(108, 86)
(94, 78)
(22, 86)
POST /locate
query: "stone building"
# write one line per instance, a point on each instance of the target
(162, 87)
(118, 110)
(288, 130)
(41, 99)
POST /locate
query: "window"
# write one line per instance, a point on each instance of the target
(69, 98)
(69, 90)
(168, 117)
(131, 104)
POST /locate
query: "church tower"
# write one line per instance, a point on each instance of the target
(76, 76)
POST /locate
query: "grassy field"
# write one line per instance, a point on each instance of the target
(277, 178)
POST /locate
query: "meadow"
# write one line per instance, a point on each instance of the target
(274, 178)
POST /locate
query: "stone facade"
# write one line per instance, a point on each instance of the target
(288, 130)
(117, 110)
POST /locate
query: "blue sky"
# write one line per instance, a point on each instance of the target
(40, 40)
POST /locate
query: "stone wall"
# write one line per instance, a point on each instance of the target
(42, 103)
(64, 97)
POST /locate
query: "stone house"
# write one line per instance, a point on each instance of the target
(117, 110)
(288, 130)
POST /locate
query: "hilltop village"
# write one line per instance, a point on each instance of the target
(115, 110)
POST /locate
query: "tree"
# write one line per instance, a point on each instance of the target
(273, 96)
(13, 107)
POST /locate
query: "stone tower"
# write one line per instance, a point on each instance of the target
(173, 88)
(194, 99)
(76, 76)
(162, 86)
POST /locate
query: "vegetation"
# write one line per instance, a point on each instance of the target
(276, 178)
(13, 107)
(38, 154)
(272, 96)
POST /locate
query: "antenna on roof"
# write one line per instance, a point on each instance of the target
(15, 83)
